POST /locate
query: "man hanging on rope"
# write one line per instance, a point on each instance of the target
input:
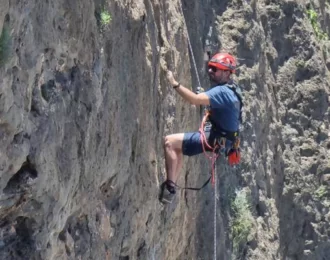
(224, 114)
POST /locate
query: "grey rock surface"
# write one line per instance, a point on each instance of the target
(84, 107)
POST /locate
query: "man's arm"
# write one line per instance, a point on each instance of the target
(192, 98)
(186, 94)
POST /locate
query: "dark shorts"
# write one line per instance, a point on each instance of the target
(192, 144)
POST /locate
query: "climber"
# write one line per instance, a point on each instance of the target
(225, 105)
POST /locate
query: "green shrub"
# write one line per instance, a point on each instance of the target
(321, 191)
(313, 18)
(105, 17)
(241, 223)
(4, 45)
(300, 64)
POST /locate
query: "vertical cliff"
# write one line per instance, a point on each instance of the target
(84, 106)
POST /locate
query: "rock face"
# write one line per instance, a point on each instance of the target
(84, 106)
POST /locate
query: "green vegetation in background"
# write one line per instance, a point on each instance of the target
(4, 45)
(241, 223)
(321, 191)
(105, 17)
(313, 18)
(300, 64)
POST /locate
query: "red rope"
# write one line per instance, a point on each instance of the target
(215, 155)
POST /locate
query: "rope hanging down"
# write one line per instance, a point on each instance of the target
(190, 47)
(214, 157)
(215, 218)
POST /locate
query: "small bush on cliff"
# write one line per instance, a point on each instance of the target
(105, 17)
(241, 223)
(321, 191)
(4, 45)
(300, 64)
(313, 18)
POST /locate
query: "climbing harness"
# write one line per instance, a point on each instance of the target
(217, 146)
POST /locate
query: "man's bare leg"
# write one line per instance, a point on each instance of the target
(173, 163)
(173, 156)
(179, 165)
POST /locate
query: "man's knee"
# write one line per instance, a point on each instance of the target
(167, 142)
(173, 142)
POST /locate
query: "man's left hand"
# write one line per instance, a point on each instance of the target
(171, 78)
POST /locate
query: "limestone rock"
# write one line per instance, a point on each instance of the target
(84, 106)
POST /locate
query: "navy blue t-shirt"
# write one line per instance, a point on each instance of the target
(225, 108)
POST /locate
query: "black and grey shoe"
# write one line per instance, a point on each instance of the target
(167, 193)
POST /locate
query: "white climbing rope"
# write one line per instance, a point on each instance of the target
(215, 167)
(215, 214)
(190, 47)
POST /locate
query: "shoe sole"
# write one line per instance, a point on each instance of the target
(161, 198)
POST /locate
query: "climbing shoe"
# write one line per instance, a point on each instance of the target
(167, 192)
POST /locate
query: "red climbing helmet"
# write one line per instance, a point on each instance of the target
(223, 61)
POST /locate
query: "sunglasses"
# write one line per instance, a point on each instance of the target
(214, 69)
